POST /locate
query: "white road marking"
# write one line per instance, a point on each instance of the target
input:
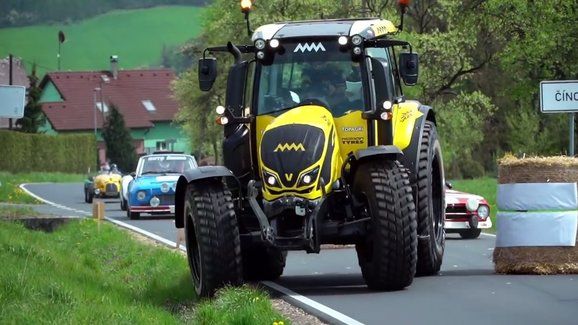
(286, 291)
(312, 303)
(56, 205)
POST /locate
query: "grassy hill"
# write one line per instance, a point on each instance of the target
(136, 36)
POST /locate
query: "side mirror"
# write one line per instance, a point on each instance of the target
(449, 185)
(207, 73)
(409, 68)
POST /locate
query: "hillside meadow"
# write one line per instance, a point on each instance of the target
(136, 36)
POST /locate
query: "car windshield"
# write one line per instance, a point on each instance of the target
(310, 73)
(166, 164)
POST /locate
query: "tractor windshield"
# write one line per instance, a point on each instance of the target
(310, 73)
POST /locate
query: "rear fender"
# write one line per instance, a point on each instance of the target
(217, 173)
(411, 153)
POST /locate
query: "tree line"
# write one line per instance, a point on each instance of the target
(481, 62)
(15, 13)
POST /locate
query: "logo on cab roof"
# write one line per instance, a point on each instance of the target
(306, 47)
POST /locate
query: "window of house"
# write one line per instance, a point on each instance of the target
(102, 107)
(149, 105)
(161, 145)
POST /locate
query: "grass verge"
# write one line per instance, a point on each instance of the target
(10, 191)
(88, 272)
(486, 187)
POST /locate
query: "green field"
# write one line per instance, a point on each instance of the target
(136, 36)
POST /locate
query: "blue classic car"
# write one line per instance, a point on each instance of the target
(152, 189)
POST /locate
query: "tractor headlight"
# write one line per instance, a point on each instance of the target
(260, 55)
(271, 179)
(356, 40)
(155, 201)
(483, 211)
(309, 177)
(274, 43)
(342, 40)
(357, 50)
(141, 195)
(259, 44)
(165, 187)
(472, 204)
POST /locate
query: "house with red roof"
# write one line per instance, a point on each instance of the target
(78, 102)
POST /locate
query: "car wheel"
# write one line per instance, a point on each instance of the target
(132, 215)
(212, 237)
(122, 203)
(470, 233)
(90, 197)
(388, 254)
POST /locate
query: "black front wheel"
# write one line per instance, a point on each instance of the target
(212, 237)
(262, 263)
(388, 255)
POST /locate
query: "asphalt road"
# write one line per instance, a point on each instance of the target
(465, 292)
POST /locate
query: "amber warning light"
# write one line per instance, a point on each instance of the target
(246, 5)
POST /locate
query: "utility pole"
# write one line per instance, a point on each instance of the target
(364, 9)
(10, 83)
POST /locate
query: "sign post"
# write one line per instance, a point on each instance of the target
(560, 96)
(12, 100)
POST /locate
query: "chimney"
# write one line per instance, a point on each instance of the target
(114, 66)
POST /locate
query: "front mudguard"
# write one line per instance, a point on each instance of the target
(195, 175)
(355, 159)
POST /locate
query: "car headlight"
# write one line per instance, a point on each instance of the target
(96, 191)
(271, 179)
(141, 195)
(155, 201)
(483, 211)
(309, 177)
(472, 204)
(165, 187)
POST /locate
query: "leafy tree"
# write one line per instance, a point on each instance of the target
(33, 116)
(119, 146)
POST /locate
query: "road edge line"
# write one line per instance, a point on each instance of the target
(311, 306)
(56, 205)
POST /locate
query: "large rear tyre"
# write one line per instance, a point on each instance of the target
(388, 255)
(470, 233)
(430, 203)
(212, 237)
(263, 263)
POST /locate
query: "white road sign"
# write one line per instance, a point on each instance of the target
(559, 96)
(12, 100)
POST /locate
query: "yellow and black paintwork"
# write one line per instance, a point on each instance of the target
(308, 138)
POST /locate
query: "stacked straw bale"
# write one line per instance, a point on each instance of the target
(544, 259)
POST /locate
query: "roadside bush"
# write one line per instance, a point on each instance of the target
(25, 152)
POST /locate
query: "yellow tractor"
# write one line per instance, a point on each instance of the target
(320, 147)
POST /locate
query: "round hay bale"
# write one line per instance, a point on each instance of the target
(537, 259)
(558, 169)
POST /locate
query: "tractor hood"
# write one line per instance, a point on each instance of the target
(294, 145)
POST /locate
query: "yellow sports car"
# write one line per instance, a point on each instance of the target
(105, 184)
